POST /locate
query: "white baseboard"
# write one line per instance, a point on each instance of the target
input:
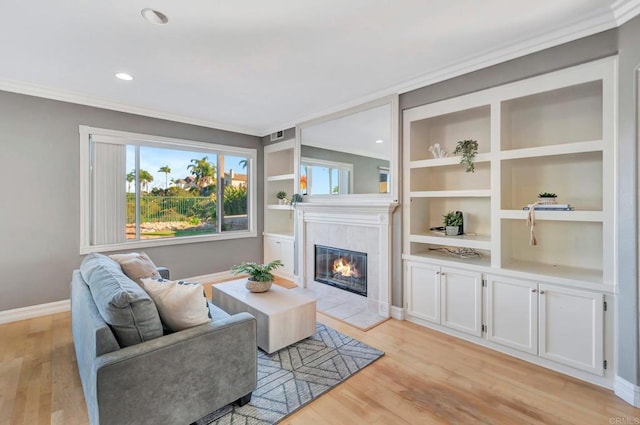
(212, 277)
(397, 312)
(627, 391)
(32, 311)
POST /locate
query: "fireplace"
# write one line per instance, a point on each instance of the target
(341, 268)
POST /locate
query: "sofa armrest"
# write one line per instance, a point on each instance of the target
(164, 272)
(180, 377)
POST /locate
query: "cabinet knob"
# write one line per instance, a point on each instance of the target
(541, 292)
(441, 273)
(534, 290)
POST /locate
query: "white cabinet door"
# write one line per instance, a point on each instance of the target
(423, 291)
(461, 300)
(286, 255)
(571, 327)
(512, 313)
(271, 249)
(276, 248)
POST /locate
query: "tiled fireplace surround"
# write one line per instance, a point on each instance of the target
(361, 227)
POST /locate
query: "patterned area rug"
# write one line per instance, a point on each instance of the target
(296, 375)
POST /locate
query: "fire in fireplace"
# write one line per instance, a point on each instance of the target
(341, 268)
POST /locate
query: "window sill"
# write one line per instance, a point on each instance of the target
(150, 243)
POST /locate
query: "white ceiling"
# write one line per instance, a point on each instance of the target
(259, 66)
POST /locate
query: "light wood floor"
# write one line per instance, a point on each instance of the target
(425, 377)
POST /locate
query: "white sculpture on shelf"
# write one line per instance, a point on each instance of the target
(437, 151)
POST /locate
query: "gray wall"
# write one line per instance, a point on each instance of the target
(627, 168)
(40, 207)
(366, 176)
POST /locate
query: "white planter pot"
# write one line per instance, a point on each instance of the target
(451, 230)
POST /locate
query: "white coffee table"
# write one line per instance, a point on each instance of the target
(283, 315)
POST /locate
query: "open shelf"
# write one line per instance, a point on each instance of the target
(279, 175)
(420, 252)
(426, 213)
(576, 179)
(449, 160)
(447, 129)
(574, 274)
(552, 133)
(451, 178)
(279, 162)
(565, 115)
(461, 241)
(594, 216)
(560, 245)
(451, 194)
(279, 207)
(563, 149)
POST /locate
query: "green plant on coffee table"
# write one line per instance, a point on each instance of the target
(452, 218)
(281, 195)
(468, 149)
(257, 272)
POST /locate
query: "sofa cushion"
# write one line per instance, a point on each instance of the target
(136, 266)
(217, 313)
(181, 304)
(123, 304)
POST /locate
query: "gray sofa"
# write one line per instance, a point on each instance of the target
(173, 378)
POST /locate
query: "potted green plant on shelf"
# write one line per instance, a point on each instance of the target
(282, 196)
(468, 149)
(260, 276)
(547, 198)
(452, 223)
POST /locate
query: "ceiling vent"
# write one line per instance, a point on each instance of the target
(277, 135)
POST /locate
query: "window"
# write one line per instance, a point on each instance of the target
(322, 177)
(140, 191)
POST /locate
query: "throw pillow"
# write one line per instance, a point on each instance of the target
(136, 266)
(181, 304)
(123, 305)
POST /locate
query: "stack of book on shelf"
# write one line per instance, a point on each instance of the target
(549, 207)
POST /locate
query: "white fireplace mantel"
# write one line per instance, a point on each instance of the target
(369, 222)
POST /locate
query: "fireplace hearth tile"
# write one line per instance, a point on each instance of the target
(347, 309)
(344, 311)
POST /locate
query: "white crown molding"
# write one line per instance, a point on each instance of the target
(30, 312)
(81, 99)
(590, 24)
(625, 10)
(627, 391)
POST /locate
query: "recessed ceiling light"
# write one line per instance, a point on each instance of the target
(123, 76)
(379, 141)
(154, 16)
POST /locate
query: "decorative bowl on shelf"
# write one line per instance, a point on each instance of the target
(256, 286)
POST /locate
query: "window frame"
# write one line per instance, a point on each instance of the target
(342, 167)
(137, 139)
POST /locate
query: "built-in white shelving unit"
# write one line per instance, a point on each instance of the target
(551, 133)
(280, 174)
